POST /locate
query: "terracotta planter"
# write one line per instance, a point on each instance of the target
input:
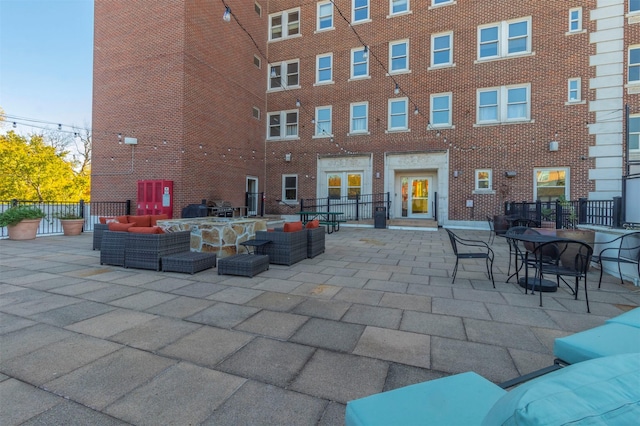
(26, 229)
(587, 236)
(72, 227)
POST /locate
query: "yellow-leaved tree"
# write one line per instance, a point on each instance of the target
(32, 170)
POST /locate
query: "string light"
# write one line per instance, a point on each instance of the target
(226, 17)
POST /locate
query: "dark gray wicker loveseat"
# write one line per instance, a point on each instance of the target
(143, 251)
(286, 248)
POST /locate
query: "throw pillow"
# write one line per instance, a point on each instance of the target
(156, 217)
(120, 227)
(141, 221)
(313, 224)
(123, 219)
(292, 226)
(105, 219)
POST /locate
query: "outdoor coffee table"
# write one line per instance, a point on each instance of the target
(188, 262)
(258, 245)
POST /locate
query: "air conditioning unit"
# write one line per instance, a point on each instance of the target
(131, 141)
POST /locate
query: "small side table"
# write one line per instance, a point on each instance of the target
(188, 262)
(258, 246)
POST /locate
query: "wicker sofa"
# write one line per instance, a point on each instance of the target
(315, 241)
(142, 251)
(286, 248)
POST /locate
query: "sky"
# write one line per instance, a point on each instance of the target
(46, 63)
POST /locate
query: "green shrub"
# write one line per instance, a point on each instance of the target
(13, 215)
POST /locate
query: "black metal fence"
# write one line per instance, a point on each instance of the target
(90, 212)
(354, 207)
(568, 214)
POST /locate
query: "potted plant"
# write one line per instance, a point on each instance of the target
(571, 231)
(22, 222)
(71, 221)
(548, 218)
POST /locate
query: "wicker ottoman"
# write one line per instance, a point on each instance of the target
(188, 262)
(246, 265)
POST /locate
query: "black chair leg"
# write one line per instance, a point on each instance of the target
(586, 296)
(455, 270)
(600, 280)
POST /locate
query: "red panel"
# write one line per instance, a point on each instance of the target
(155, 197)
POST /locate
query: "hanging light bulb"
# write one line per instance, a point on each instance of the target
(397, 89)
(227, 15)
(14, 125)
(297, 103)
(365, 54)
(273, 72)
(415, 110)
(59, 126)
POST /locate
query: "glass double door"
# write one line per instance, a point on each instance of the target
(416, 197)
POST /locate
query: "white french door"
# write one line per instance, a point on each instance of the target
(416, 197)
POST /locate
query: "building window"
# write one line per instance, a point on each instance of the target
(354, 185)
(503, 104)
(359, 117)
(257, 8)
(398, 56)
(440, 2)
(398, 118)
(323, 121)
(336, 187)
(504, 39)
(483, 179)
(291, 77)
(360, 11)
(325, 16)
(324, 68)
(574, 90)
(550, 184)
(634, 134)
(634, 6)
(283, 125)
(359, 63)
(398, 6)
(634, 64)
(440, 110)
(256, 113)
(257, 61)
(284, 24)
(575, 19)
(290, 188)
(442, 49)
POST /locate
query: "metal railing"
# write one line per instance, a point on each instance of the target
(89, 211)
(354, 207)
(568, 214)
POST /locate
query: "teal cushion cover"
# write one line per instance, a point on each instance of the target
(600, 391)
(608, 339)
(462, 399)
(631, 318)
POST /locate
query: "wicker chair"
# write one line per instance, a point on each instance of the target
(315, 241)
(286, 248)
(112, 247)
(98, 229)
(145, 251)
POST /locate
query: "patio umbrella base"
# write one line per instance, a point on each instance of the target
(546, 286)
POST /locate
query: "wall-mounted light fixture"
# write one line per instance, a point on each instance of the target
(377, 175)
(510, 173)
(553, 146)
(287, 156)
(456, 173)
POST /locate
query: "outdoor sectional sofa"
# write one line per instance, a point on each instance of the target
(602, 387)
(142, 224)
(293, 242)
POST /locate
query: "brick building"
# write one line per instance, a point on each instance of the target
(462, 102)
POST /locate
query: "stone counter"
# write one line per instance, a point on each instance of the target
(221, 236)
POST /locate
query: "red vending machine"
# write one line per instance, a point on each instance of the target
(155, 197)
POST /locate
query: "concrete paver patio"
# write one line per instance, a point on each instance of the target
(82, 343)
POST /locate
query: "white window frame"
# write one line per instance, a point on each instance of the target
(574, 87)
(575, 23)
(634, 120)
(441, 2)
(285, 16)
(489, 180)
(285, 198)
(316, 132)
(432, 109)
(283, 125)
(633, 66)
(503, 39)
(353, 118)
(390, 115)
(448, 34)
(551, 169)
(502, 105)
(318, 68)
(355, 8)
(392, 44)
(634, 6)
(366, 63)
(401, 12)
(320, 17)
(284, 65)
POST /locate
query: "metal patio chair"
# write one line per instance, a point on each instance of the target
(626, 250)
(483, 251)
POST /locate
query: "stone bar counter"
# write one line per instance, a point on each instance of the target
(218, 235)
